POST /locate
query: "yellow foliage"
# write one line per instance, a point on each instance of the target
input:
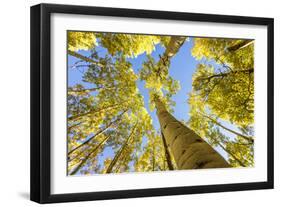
(81, 40)
(130, 45)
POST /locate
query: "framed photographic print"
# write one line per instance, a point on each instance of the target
(132, 103)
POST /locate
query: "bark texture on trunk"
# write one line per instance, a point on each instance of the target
(189, 150)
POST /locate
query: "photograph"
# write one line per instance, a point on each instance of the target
(143, 103)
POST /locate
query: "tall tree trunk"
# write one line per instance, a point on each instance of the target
(189, 150)
(240, 45)
(174, 45)
(167, 153)
(172, 48)
(120, 151)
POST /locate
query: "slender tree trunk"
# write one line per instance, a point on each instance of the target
(189, 150)
(84, 89)
(83, 151)
(120, 151)
(93, 111)
(95, 150)
(240, 45)
(98, 133)
(249, 139)
(73, 126)
(121, 164)
(98, 88)
(232, 155)
(167, 153)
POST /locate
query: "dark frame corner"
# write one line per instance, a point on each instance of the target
(41, 96)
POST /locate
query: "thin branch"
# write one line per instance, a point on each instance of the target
(86, 59)
(226, 74)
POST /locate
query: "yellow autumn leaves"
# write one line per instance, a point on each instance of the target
(130, 45)
(81, 40)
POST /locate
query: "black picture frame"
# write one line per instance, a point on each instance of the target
(41, 97)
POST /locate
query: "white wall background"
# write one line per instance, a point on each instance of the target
(14, 104)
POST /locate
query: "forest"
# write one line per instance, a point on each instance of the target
(144, 103)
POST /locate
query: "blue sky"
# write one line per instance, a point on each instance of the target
(183, 65)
